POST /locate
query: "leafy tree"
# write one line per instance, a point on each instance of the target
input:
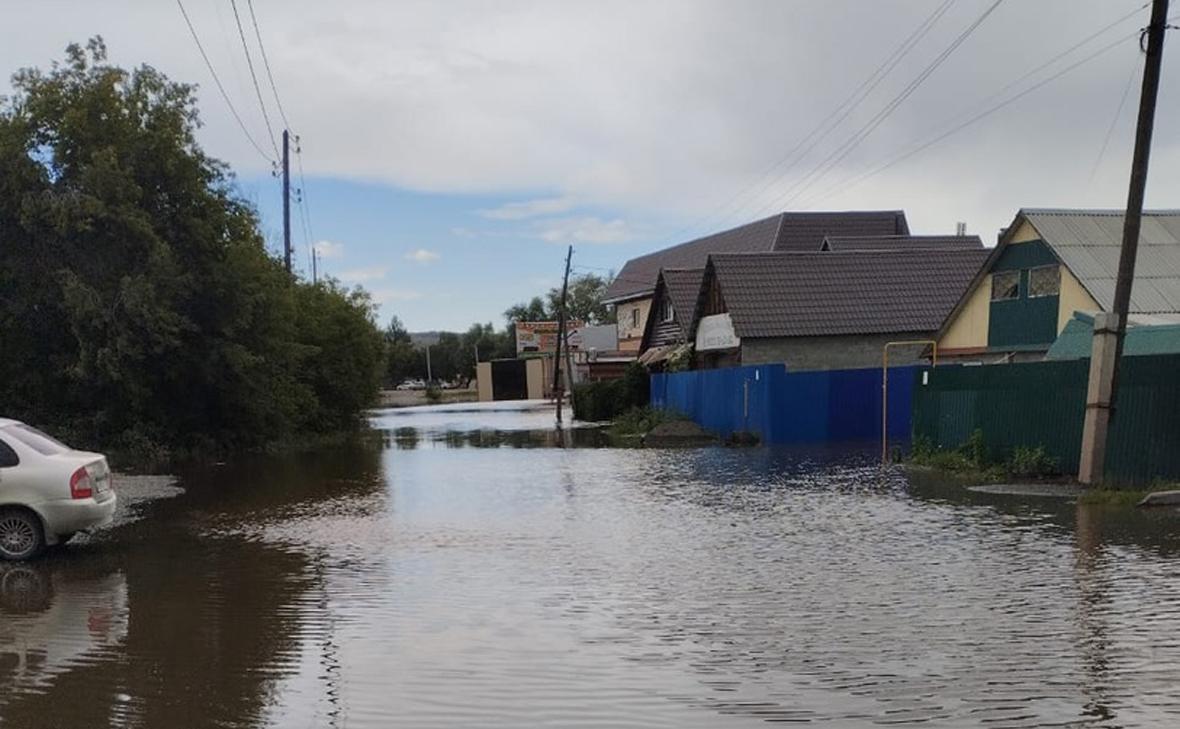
(138, 304)
(534, 310)
(583, 300)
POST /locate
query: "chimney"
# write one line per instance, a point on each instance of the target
(960, 229)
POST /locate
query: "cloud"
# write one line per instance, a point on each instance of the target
(585, 230)
(385, 296)
(328, 249)
(422, 256)
(528, 209)
(360, 275)
(462, 232)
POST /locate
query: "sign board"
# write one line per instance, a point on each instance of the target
(541, 336)
(716, 332)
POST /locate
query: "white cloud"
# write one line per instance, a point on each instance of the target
(462, 232)
(329, 249)
(422, 256)
(360, 275)
(385, 296)
(585, 230)
(528, 209)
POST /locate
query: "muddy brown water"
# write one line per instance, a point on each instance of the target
(472, 569)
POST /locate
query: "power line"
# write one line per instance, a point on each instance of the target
(304, 203)
(220, 87)
(999, 93)
(1118, 112)
(266, 64)
(978, 117)
(842, 110)
(829, 163)
(851, 103)
(254, 76)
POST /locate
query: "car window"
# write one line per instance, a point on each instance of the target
(8, 457)
(35, 439)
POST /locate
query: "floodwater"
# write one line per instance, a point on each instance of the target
(477, 569)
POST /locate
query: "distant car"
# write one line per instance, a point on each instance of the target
(412, 385)
(48, 491)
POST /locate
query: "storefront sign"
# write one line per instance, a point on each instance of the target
(541, 336)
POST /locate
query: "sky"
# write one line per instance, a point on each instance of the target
(450, 151)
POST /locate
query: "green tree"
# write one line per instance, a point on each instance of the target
(138, 303)
(583, 300)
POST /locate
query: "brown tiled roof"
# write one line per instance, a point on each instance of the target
(864, 292)
(782, 232)
(897, 242)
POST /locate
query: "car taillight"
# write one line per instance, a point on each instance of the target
(81, 486)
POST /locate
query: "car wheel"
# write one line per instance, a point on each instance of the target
(21, 535)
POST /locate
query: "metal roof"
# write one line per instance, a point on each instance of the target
(1088, 243)
(781, 232)
(862, 292)
(1077, 338)
(683, 286)
(896, 242)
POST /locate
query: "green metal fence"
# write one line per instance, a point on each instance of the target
(1043, 404)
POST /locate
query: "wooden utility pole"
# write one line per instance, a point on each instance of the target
(1105, 356)
(558, 390)
(286, 200)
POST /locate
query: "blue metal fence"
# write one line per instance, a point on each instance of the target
(785, 407)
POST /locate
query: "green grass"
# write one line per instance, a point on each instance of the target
(972, 461)
(1112, 497)
(640, 420)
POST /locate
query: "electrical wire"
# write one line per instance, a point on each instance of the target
(266, 64)
(840, 153)
(1118, 112)
(974, 119)
(826, 125)
(304, 203)
(220, 87)
(254, 77)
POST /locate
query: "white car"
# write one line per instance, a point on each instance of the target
(48, 491)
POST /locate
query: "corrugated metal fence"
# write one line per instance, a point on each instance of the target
(783, 407)
(1043, 404)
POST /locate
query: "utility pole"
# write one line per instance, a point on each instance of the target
(429, 374)
(315, 255)
(558, 390)
(1106, 354)
(287, 200)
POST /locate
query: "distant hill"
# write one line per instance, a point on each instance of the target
(424, 339)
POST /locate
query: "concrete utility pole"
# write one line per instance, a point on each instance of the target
(1110, 329)
(315, 277)
(429, 374)
(558, 390)
(286, 200)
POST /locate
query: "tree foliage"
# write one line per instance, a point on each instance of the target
(138, 303)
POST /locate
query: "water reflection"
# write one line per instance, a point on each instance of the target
(490, 570)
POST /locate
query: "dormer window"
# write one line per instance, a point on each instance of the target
(1044, 281)
(667, 312)
(1005, 285)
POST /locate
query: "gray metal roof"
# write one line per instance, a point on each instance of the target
(861, 292)
(781, 232)
(1088, 242)
(896, 242)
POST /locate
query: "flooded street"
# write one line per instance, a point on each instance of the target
(464, 570)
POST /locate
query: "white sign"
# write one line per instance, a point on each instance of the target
(716, 332)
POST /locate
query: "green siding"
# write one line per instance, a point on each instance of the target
(1023, 321)
(1043, 404)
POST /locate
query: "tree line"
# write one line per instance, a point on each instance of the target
(139, 306)
(453, 357)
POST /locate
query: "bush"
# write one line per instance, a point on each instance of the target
(1032, 462)
(640, 420)
(973, 457)
(433, 394)
(599, 401)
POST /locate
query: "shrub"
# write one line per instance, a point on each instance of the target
(598, 401)
(1032, 462)
(433, 394)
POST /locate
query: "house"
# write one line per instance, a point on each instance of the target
(632, 290)
(674, 301)
(827, 310)
(1050, 264)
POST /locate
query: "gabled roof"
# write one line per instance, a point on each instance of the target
(822, 294)
(781, 232)
(1089, 242)
(683, 285)
(896, 242)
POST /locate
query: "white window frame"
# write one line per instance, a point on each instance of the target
(1031, 295)
(667, 311)
(635, 318)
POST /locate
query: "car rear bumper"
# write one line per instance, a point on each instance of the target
(67, 516)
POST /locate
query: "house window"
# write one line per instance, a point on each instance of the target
(1005, 285)
(635, 318)
(1044, 281)
(667, 313)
